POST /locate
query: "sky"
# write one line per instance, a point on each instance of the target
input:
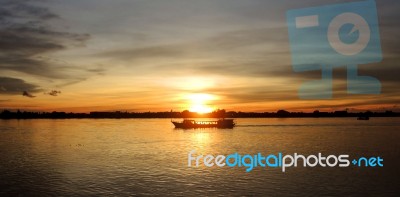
(162, 55)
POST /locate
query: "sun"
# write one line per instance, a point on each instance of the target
(201, 109)
(199, 102)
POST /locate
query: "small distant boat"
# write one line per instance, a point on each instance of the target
(363, 118)
(190, 124)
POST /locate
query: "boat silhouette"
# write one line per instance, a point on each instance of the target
(190, 124)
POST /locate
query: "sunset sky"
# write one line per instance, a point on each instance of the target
(162, 55)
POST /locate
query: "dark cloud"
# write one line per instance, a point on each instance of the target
(99, 70)
(15, 86)
(27, 94)
(53, 93)
(26, 36)
(22, 10)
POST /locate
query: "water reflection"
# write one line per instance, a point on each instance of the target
(149, 157)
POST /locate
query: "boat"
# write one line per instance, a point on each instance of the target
(363, 118)
(190, 124)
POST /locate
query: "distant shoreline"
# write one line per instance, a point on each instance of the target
(186, 114)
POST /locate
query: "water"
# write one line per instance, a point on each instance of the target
(149, 157)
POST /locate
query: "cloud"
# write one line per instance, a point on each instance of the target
(228, 43)
(262, 52)
(26, 36)
(27, 94)
(53, 93)
(14, 86)
(22, 10)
